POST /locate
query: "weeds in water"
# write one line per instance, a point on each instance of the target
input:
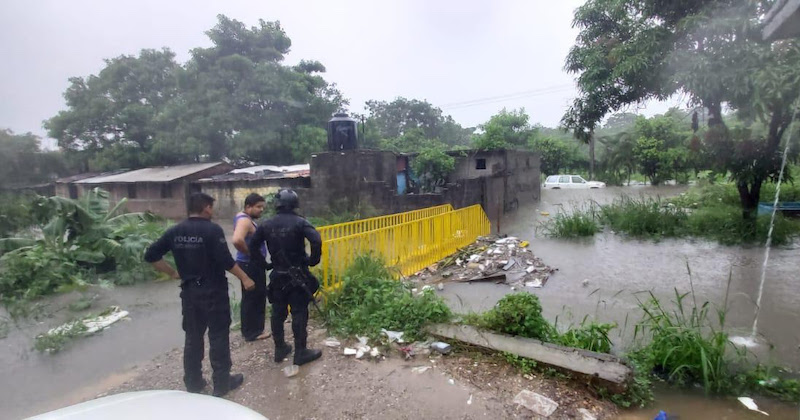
(55, 340)
(769, 381)
(81, 304)
(682, 344)
(370, 300)
(655, 219)
(644, 217)
(5, 328)
(579, 223)
(589, 335)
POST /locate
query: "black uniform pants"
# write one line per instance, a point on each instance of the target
(298, 300)
(254, 302)
(203, 310)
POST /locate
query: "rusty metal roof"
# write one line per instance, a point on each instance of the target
(157, 174)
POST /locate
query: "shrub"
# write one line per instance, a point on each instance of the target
(370, 300)
(518, 314)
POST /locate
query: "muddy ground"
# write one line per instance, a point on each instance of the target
(341, 387)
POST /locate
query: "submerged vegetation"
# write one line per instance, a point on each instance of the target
(706, 212)
(76, 243)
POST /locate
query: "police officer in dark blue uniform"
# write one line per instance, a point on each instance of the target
(285, 235)
(202, 256)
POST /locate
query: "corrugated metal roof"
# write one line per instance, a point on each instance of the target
(271, 168)
(262, 175)
(87, 175)
(158, 174)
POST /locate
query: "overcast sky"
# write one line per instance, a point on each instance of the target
(449, 52)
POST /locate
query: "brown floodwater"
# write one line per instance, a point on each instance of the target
(616, 270)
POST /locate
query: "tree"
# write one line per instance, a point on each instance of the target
(555, 154)
(240, 101)
(116, 111)
(392, 120)
(23, 162)
(234, 99)
(505, 130)
(432, 165)
(630, 51)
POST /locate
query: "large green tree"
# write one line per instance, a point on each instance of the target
(113, 115)
(711, 51)
(235, 99)
(391, 121)
(505, 130)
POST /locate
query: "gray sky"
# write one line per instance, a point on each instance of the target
(445, 51)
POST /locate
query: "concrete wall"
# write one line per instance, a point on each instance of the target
(230, 194)
(466, 165)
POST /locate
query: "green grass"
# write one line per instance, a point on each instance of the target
(370, 299)
(576, 224)
(685, 216)
(644, 217)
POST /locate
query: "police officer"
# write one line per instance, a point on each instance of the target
(253, 302)
(202, 257)
(285, 235)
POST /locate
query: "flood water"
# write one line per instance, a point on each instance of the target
(617, 268)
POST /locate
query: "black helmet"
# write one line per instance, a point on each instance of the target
(286, 200)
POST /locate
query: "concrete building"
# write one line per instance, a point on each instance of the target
(161, 190)
(378, 181)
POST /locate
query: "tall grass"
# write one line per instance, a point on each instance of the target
(654, 218)
(579, 223)
(644, 217)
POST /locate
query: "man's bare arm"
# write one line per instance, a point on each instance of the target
(165, 268)
(240, 231)
(247, 282)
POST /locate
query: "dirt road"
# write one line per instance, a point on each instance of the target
(340, 387)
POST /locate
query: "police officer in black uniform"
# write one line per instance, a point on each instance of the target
(285, 235)
(202, 256)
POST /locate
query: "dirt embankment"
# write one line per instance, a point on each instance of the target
(457, 386)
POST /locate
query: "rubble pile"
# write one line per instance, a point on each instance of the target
(500, 260)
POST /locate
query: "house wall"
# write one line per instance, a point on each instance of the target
(230, 194)
(465, 167)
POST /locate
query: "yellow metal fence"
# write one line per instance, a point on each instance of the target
(374, 223)
(408, 247)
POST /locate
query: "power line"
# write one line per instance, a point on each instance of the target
(507, 97)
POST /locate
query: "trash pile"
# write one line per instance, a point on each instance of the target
(500, 260)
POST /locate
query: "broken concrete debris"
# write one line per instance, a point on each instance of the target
(420, 369)
(332, 342)
(539, 404)
(441, 347)
(504, 260)
(290, 371)
(586, 414)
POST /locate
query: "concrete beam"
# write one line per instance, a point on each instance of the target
(603, 366)
(782, 21)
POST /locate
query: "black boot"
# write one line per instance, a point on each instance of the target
(236, 380)
(281, 351)
(304, 356)
(197, 387)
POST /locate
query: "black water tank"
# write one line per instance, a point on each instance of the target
(342, 133)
